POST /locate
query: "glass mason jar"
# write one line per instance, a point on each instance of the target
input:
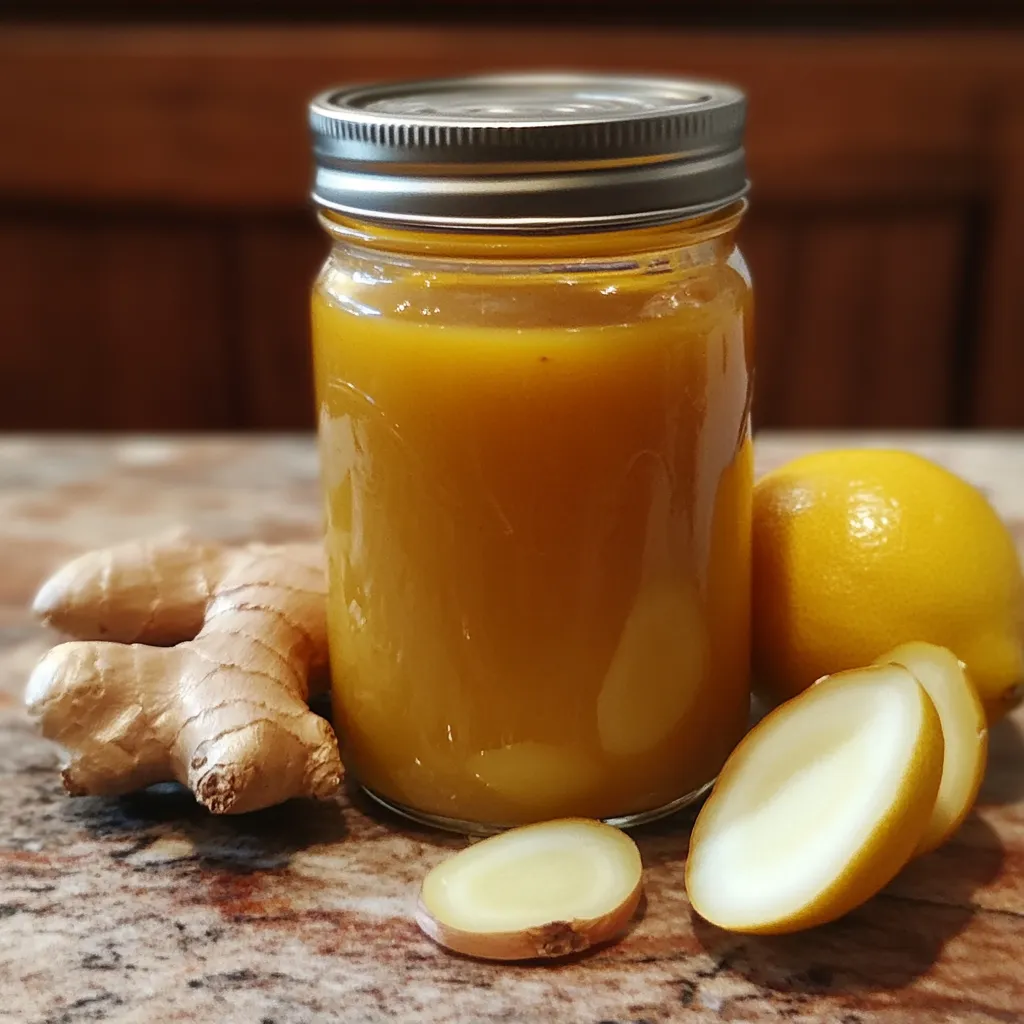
(533, 358)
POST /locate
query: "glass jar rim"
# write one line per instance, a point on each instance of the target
(613, 240)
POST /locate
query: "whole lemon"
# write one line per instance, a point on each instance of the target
(856, 551)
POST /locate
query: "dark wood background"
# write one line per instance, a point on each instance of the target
(156, 245)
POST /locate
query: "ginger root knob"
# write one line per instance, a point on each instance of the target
(225, 710)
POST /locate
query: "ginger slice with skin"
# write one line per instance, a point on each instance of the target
(964, 732)
(819, 806)
(544, 890)
(225, 711)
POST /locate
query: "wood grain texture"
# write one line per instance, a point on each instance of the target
(107, 324)
(856, 317)
(886, 237)
(146, 909)
(216, 116)
(276, 265)
(908, 348)
(998, 398)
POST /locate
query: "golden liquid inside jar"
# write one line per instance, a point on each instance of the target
(538, 473)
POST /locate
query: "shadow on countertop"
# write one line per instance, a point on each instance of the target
(257, 840)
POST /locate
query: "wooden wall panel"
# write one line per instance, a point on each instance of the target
(277, 263)
(216, 117)
(917, 288)
(179, 156)
(856, 317)
(997, 399)
(826, 323)
(109, 325)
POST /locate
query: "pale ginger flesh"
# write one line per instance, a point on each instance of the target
(225, 711)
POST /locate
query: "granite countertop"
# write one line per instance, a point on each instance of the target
(147, 909)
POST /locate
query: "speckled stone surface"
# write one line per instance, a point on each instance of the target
(147, 909)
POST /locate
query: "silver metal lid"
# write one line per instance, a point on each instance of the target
(531, 152)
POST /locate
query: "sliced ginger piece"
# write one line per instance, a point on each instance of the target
(663, 643)
(819, 806)
(542, 890)
(964, 731)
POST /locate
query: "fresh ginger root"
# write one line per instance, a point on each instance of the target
(225, 711)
